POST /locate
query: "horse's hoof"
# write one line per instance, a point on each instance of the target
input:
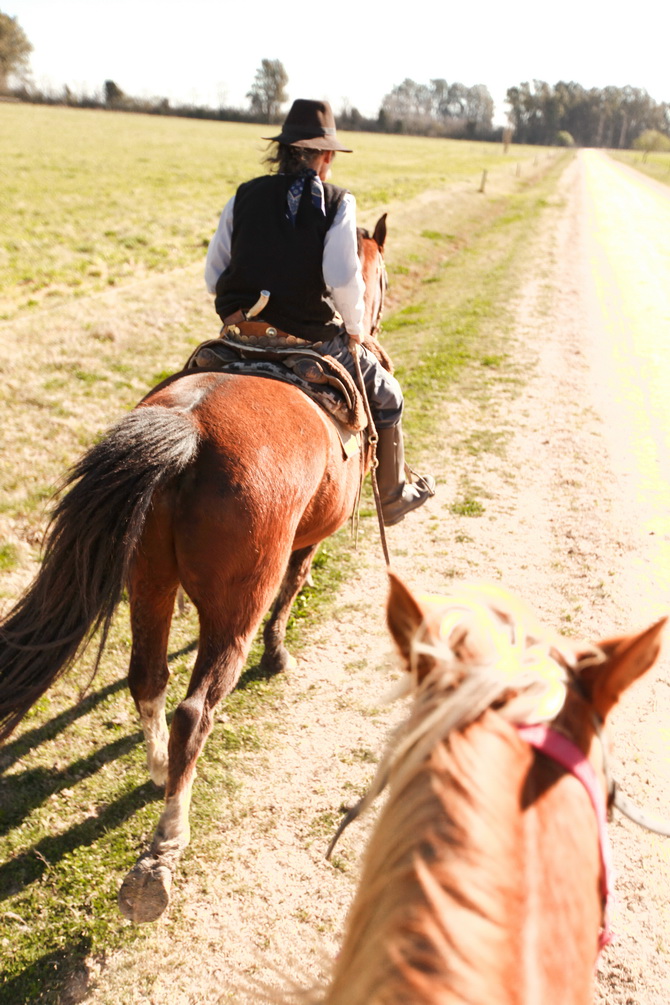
(277, 662)
(145, 892)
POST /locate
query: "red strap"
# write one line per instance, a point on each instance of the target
(566, 753)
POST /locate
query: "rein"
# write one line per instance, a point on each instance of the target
(615, 797)
(373, 438)
(625, 805)
(638, 816)
(383, 286)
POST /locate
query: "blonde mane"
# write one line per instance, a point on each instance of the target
(432, 887)
(486, 878)
(491, 651)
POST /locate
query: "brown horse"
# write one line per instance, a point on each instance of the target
(487, 874)
(224, 484)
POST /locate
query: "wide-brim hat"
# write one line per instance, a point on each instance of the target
(310, 124)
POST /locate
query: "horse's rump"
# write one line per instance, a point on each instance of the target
(321, 378)
(264, 441)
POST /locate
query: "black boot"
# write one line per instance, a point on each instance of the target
(400, 489)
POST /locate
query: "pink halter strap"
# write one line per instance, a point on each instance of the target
(566, 753)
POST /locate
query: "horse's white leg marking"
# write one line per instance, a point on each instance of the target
(154, 725)
(174, 831)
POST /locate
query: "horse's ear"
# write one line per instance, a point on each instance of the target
(380, 232)
(405, 617)
(626, 658)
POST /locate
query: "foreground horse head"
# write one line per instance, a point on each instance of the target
(220, 483)
(486, 877)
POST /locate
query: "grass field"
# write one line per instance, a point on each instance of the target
(90, 199)
(105, 222)
(656, 165)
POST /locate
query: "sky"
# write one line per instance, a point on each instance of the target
(349, 52)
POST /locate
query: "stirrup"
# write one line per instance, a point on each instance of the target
(425, 483)
(413, 494)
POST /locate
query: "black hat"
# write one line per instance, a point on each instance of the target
(310, 124)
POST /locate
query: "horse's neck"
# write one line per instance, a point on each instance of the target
(444, 910)
(563, 910)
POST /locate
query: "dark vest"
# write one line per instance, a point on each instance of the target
(269, 253)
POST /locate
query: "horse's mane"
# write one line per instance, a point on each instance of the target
(454, 771)
(491, 652)
(362, 234)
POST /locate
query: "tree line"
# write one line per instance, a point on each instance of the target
(539, 113)
(612, 117)
(437, 109)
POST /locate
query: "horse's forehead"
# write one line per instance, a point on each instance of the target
(472, 602)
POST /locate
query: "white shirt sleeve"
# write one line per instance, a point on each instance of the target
(218, 253)
(342, 268)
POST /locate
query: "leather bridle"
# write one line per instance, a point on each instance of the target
(567, 754)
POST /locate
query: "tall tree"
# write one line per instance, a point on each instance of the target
(479, 109)
(114, 96)
(268, 91)
(14, 49)
(611, 117)
(438, 108)
(440, 91)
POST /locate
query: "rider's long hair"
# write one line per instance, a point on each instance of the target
(285, 159)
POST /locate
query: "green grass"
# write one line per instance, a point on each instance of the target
(656, 165)
(93, 199)
(467, 507)
(9, 557)
(143, 195)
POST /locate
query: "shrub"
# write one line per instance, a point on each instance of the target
(564, 139)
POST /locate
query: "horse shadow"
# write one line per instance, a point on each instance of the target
(32, 738)
(23, 792)
(67, 981)
(31, 864)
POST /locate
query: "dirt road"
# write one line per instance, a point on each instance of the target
(627, 286)
(569, 455)
(624, 253)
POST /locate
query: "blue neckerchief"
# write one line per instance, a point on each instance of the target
(295, 191)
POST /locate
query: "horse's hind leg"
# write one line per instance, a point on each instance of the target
(225, 638)
(276, 656)
(152, 587)
(148, 674)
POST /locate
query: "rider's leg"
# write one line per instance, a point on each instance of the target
(400, 490)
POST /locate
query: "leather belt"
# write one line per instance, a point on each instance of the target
(263, 334)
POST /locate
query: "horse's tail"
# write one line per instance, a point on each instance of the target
(88, 547)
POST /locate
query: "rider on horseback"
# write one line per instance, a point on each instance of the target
(294, 234)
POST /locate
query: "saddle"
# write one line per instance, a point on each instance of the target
(258, 349)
